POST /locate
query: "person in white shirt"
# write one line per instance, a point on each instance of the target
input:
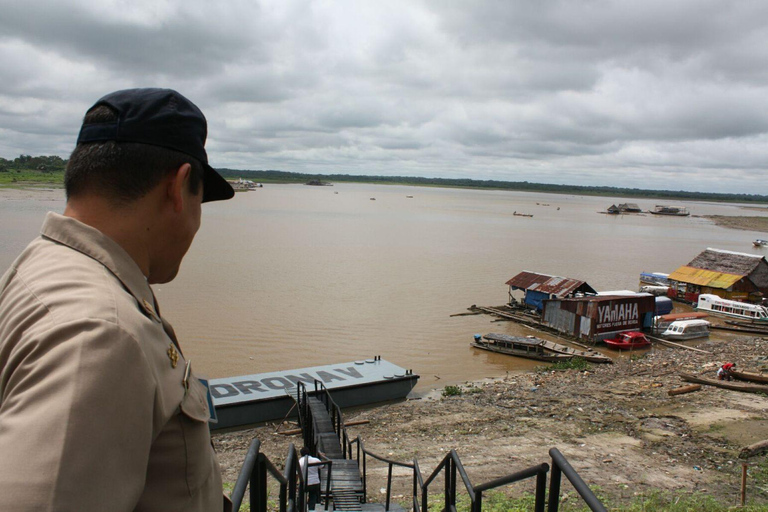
(313, 476)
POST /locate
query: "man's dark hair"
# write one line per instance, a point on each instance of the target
(304, 451)
(122, 171)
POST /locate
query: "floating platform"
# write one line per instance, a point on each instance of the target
(250, 399)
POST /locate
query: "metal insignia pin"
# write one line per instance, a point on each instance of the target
(173, 355)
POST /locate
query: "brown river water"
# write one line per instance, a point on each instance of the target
(289, 276)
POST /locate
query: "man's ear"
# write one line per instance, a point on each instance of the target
(178, 181)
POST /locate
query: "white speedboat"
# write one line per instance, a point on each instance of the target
(686, 330)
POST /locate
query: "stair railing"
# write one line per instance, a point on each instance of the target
(451, 465)
(253, 476)
(362, 462)
(560, 466)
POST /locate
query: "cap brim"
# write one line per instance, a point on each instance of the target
(215, 187)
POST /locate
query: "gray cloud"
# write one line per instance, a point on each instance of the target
(656, 94)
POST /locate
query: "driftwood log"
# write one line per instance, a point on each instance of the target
(746, 388)
(749, 376)
(685, 389)
(672, 344)
(754, 449)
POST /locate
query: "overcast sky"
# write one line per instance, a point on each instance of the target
(655, 94)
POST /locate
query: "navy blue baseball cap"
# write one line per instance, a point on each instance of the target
(159, 117)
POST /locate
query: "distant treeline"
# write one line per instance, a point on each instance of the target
(525, 186)
(44, 164)
(53, 164)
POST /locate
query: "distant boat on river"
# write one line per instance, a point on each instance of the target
(679, 211)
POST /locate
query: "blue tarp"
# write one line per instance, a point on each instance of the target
(663, 305)
(535, 299)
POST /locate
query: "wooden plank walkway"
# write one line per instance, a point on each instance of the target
(346, 484)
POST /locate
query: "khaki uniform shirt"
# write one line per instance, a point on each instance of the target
(95, 410)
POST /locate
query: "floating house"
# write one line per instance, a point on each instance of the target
(727, 274)
(541, 287)
(629, 208)
(595, 318)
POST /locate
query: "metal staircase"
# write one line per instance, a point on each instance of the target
(344, 485)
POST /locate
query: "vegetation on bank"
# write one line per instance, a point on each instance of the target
(522, 186)
(49, 170)
(32, 170)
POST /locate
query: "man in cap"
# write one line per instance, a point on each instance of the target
(99, 409)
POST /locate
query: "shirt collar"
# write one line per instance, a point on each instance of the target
(95, 244)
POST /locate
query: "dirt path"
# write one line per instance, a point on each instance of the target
(616, 424)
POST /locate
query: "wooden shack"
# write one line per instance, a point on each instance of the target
(541, 287)
(727, 274)
(594, 318)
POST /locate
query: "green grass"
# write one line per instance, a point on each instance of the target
(656, 501)
(452, 391)
(576, 363)
(22, 177)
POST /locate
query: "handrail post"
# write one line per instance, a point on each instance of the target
(365, 478)
(554, 488)
(477, 505)
(389, 486)
(447, 470)
(541, 492)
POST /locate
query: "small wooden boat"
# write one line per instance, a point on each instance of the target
(749, 376)
(522, 214)
(629, 340)
(524, 346)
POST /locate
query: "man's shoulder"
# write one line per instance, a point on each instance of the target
(56, 284)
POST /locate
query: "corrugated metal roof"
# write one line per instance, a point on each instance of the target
(554, 285)
(702, 277)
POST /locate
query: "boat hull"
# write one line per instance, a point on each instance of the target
(685, 336)
(626, 346)
(531, 354)
(252, 399)
(507, 342)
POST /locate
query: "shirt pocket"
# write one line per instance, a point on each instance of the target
(200, 462)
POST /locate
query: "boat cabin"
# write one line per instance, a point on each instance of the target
(654, 278)
(686, 330)
(661, 322)
(731, 308)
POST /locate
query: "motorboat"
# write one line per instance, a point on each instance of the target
(686, 330)
(716, 305)
(628, 340)
(760, 242)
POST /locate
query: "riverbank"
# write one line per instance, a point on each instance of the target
(740, 222)
(616, 424)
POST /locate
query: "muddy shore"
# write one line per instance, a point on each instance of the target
(741, 222)
(616, 424)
